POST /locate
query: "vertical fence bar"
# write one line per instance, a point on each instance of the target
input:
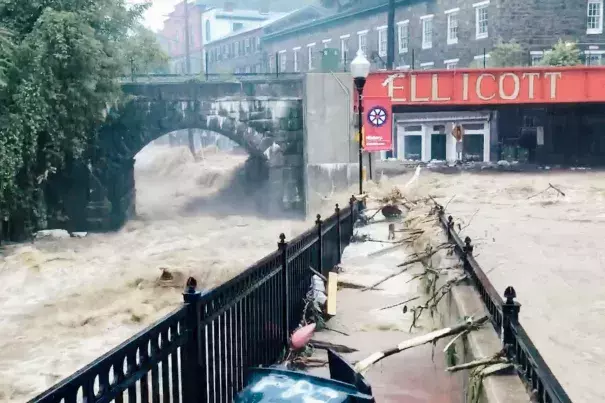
(191, 351)
(277, 64)
(206, 65)
(338, 234)
(352, 207)
(320, 264)
(283, 248)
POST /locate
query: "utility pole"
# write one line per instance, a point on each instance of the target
(188, 70)
(391, 36)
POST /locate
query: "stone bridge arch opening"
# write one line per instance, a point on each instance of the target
(268, 129)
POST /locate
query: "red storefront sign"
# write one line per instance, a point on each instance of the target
(472, 87)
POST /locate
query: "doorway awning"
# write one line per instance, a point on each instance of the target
(421, 117)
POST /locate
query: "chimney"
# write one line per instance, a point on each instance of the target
(229, 6)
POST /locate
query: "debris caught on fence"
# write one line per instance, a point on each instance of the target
(471, 324)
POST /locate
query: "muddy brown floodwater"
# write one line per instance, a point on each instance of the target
(551, 248)
(65, 302)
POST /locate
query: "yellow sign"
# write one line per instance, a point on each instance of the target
(363, 143)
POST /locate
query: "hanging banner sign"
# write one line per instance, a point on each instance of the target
(377, 124)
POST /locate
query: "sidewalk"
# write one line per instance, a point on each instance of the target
(412, 376)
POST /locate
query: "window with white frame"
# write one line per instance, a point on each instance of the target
(452, 26)
(362, 37)
(282, 60)
(451, 64)
(326, 43)
(344, 48)
(427, 66)
(594, 57)
(310, 54)
(427, 31)
(404, 35)
(295, 59)
(382, 41)
(594, 13)
(481, 22)
(536, 57)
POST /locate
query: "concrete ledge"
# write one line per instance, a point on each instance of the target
(464, 301)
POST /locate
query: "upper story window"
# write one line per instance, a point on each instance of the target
(403, 33)
(344, 48)
(427, 31)
(295, 59)
(326, 43)
(282, 60)
(208, 34)
(594, 57)
(481, 19)
(452, 26)
(382, 41)
(310, 54)
(536, 57)
(594, 13)
(451, 64)
(362, 37)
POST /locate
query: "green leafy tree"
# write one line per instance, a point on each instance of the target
(504, 54)
(60, 76)
(562, 54)
(143, 53)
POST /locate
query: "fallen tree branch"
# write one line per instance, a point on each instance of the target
(431, 337)
(478, 363)
(399, 304)
(324, 345)
(550, 186)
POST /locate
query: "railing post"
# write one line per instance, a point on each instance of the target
(510, 314)
(338, 232)
(320, 245)
(283, 248)
(193, 368)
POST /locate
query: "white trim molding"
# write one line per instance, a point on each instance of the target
(311, 44)
(296, 48)
(426, 17)
(452, 10)
(282, 51)
(326, 40)
(450, 61)
(403, 22)
(363, 32)
(380, 28)
(345, 36)
(481, 3)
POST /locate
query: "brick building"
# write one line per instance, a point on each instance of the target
(241, 52)
(443, 33)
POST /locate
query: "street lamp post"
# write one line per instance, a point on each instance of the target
(360, 68)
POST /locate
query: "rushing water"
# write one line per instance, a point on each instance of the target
(549, 247)
(66, 301)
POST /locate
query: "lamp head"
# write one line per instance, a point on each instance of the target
(360, 66)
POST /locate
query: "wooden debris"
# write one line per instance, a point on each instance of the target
(431, 337)
(339, 348)
(399, 303)
(332, 291)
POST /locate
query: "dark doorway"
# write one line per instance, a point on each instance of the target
(413, 148)
(438, 146)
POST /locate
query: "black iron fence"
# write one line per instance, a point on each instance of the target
(201, 351)
(504, 314)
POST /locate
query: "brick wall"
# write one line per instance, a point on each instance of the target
(535, 24)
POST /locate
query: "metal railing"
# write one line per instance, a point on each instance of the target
(201, 352)
(504, 315)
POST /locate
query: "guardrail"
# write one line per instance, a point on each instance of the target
(210, 77)
(201, 352)
(504, 315)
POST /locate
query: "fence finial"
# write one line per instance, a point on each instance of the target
(282, 240)
(191, 294)
(318, 219)
(510, 294)
(450, 222)
(468, 247)
(337, 209)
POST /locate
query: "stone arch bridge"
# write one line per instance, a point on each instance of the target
(263, 117)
